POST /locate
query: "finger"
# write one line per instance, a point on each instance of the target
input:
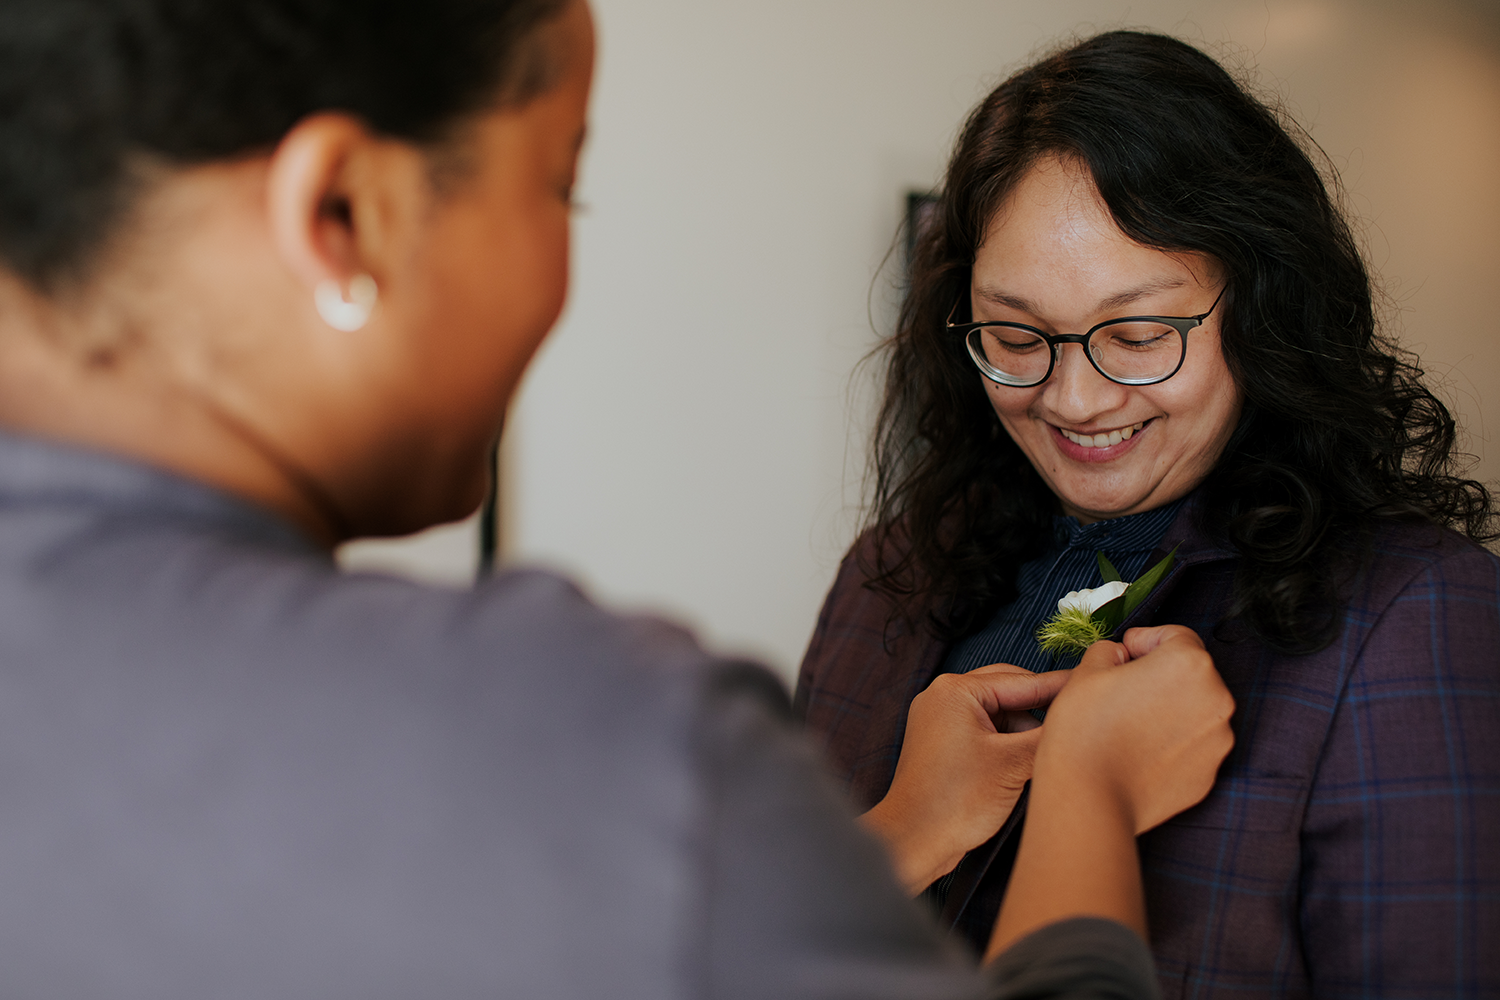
(1101, 656)
(1048, 685)
(999, 668)
(1001, 691)
(1140, 641)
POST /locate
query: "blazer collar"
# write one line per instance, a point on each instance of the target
(1193, 547)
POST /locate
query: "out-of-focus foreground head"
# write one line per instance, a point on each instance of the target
(181, 181)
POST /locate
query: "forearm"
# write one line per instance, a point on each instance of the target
(1077, 858)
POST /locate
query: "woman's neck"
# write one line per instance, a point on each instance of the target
(73, 377)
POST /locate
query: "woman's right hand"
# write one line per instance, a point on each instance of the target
(1146, 721)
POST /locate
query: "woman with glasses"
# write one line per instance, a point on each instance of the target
(1140, 326)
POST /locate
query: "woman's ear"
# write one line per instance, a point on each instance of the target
(339, 200)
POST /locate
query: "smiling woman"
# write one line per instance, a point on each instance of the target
(1140, 324)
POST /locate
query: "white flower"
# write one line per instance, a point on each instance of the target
(1092, 600)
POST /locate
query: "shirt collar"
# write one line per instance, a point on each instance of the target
(1129, 533)
(38, 472)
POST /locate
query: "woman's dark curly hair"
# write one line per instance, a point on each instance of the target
(1337, 429)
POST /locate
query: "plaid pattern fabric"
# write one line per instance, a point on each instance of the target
(1351, 846)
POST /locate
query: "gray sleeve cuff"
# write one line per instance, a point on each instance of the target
(1085, 958)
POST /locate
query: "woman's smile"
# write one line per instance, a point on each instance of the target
(1099, 446)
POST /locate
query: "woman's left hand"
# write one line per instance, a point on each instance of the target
(966, 755)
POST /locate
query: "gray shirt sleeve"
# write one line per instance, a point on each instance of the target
(798, 903)
(1082, 959)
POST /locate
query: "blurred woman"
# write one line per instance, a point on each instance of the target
(269, 272)
(1140, 326)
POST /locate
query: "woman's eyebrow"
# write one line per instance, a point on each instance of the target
(1140, 292)
(1115, 301)
(1000, 298)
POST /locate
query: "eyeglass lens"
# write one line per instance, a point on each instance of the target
(1136, 351)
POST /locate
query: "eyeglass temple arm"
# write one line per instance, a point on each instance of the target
(1211, 308)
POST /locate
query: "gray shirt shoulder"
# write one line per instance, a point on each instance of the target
(229, 771)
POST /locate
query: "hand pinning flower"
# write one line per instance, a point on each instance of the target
(1086, 616)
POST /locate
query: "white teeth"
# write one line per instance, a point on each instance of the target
(1103, 440)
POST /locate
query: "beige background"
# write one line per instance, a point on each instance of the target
(691, 438)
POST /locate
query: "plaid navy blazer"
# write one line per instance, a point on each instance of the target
(1351, 845)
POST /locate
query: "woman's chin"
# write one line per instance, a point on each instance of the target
(395, 513)
(1097, 501)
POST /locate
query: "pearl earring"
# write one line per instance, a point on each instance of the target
(346, 314)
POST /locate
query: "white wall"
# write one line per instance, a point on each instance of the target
(690, 438)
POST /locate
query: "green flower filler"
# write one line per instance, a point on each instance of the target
(1086, 616)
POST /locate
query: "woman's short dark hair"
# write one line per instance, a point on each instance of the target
(90, 89)
(1337, 429)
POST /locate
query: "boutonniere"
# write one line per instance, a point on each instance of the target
(1086, 616)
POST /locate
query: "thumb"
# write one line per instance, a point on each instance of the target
(1101, 656)
(1016, 748)
(1140, 641)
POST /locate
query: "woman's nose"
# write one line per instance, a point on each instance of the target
(1076, 392)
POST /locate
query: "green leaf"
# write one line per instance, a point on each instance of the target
(1107, 570)
(1111, 615)
(1142, 587)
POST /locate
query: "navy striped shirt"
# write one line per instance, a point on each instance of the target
(1070, 564)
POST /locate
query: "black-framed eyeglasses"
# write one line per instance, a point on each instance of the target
(1131, 350)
